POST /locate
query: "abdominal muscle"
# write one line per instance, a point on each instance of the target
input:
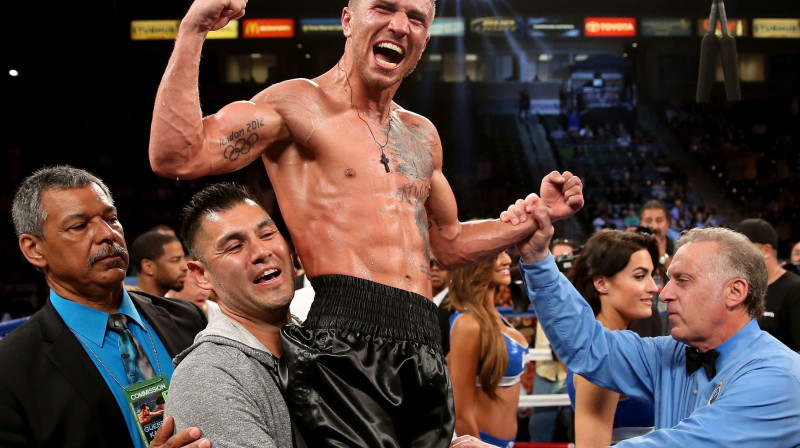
(498, 418)
(362, 226)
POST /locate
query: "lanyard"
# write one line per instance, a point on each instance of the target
(152, 344)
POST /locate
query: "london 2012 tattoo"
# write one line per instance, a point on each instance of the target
(241, 141)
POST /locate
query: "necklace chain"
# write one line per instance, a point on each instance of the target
(384, 160)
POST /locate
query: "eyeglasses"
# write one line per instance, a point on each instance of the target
(435, 263)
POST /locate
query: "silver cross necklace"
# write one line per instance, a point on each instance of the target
(384, 160)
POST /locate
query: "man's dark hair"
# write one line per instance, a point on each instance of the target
(149, 246)
(606, 253)
(655, 204)
(161, 228)
(214, 198)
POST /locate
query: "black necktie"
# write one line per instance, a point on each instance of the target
(695, 359)
(134, 358)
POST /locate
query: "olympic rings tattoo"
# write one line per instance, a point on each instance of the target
(241, 147)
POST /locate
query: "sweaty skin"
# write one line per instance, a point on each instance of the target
(319, 141)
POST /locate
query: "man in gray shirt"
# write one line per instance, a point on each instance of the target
(226, 382)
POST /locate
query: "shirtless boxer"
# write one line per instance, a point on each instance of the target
(360, 186)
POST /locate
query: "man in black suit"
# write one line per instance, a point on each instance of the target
(62, 374)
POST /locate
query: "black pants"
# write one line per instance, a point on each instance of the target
(366, 368)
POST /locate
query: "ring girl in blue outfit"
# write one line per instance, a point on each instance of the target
(487, 354)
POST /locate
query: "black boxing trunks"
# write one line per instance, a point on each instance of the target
(366, 368)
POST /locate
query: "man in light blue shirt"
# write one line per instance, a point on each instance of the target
(715, 293)
(63, 374)
(88, 326)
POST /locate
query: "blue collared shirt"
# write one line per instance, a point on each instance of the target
(102, 347)
(753, 401)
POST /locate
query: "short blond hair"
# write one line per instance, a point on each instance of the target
(433, 6)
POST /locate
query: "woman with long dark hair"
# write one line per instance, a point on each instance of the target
(614, 273)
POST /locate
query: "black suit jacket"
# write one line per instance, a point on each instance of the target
(51, 393)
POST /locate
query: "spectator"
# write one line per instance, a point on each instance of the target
(163, 228)
(440, 290)
(795, 255)
(655, 215)
(781, 316)
(524, 106)
(159, 261)
(192, 292)
(65, 370)
(558, 134)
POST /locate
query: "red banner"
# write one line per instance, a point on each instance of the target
(737, 27)
(610, 26)
(268, 28)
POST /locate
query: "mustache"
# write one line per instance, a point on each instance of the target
(112, 249)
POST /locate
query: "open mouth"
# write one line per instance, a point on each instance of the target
(388, 55)
(268, 276)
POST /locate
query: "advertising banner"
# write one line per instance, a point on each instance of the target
(776, 28)
(154, 29)
(681, 27)
(495, 25)
(316, 26)
(737, 27)
(549, 27)
(268, 28)
(610, 26)
(447, 26)
(229, 31)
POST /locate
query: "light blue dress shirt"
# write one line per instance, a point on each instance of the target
(89, 326)
(756, 391)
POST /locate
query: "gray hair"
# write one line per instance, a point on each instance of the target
(736, 258)
(26, 210)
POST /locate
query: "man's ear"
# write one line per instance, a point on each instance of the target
(735, 292)
(200, 274)
(148, 267)
(600, 284)
(31, 248)
(347, 16)
(768, 250)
